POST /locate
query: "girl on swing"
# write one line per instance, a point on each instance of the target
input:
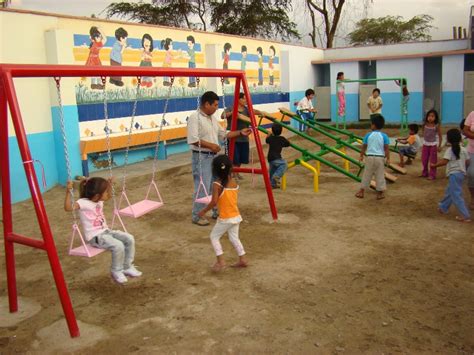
(93, 192)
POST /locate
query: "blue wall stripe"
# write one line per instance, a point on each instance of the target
(452, 106)
(92, 112)
(352, 108)
(391, 107)
(41, 148)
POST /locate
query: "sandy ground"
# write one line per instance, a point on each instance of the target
(336, 274)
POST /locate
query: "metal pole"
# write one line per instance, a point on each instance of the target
(235, 113)
(39, 206)
(258, 144)
(6, 201)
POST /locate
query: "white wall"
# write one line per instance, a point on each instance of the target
(351, 71)
(453, 73)
(301, 73)
(395, 49)
(411, 69)
(27, 46)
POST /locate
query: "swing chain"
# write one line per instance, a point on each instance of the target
(162, 123)
(226, 141)
(198, 114)
(64, 138)
(130, 129)
(107, 140)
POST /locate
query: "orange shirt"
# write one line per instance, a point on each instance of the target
(227, 203)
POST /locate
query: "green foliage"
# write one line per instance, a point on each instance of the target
(168, 13)
(256, 18)
(391, 29)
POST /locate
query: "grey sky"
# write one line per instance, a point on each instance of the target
(446, 13)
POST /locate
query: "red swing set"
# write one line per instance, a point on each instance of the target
(8, 98)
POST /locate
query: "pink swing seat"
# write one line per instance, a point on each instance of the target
(143, 207)
(140, 208)
(83, 250)
(206, 199)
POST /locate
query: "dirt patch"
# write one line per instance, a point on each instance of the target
(334, 274)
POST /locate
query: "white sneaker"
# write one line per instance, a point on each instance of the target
(132, 271)
(119, 277)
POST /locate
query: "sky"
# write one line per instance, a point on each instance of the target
(446, 13)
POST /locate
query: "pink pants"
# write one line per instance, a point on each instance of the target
(429, 154)
(342, 104)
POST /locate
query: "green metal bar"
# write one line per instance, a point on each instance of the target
(403, 117)
(323, 132)
(311, 139)
(348, 133)
(368, 80)
(316, 157)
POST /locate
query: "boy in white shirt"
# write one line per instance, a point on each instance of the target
(305, 108)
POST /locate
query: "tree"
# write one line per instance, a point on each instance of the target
(176, 13)
(256, 18)
(391, 29)
(327, 16)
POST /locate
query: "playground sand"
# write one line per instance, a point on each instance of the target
(336, 274)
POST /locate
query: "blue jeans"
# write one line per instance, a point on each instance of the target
(306, 116)
(207, 179)
(277, 169)
(453, 195)
(122, 246)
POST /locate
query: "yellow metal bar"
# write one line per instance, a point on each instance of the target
(283, 179)
(346, 162)
(315, 175)
(318, 167)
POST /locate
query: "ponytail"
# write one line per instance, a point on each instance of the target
(454, 138)
(222, 168)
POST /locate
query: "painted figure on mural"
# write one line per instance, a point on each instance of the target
(146, 58)
(116, 55)
(243, 62)
(260, 65)
(225, 65)
(167, 45)
(270, 64)
(190, 55)
(98, 39)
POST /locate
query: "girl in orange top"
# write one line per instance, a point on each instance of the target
(224, 195)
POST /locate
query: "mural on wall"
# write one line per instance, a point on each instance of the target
(121, 93)
(262, 70)
(153, 49)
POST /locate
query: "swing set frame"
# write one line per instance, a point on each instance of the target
(9, 102)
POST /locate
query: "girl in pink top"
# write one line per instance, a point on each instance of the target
(341, 94)
(432, 140)
(94, 191)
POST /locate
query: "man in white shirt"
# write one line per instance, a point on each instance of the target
(305, 108)
(204, 136)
